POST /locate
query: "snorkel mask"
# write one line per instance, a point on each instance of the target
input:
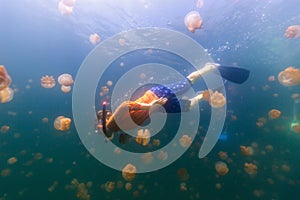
(102, 116)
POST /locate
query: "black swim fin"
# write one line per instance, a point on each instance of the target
(234, 74)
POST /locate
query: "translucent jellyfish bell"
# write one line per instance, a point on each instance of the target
(65, 79)
(5, 79)
(47, 81)
(68, 2)
(193, 21)
(65, 9)
(62, 123)
(129, 172)
(289, 77)
(6, 95)
(221, 168)
(65, 89)
(94, 38)
(217, 100)
(292, 32)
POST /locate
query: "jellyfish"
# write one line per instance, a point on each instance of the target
(193, 21)
(94, 38)
(69, 2)
(247, 151)
(64, 9)
(274, 114)
(296, 128)
(62, 123)
(47, 81)
(289, 77)
(6, 95)
(250, 168)
(200, 3)
(65, 79)
(5, 79)
(12, 160)
(223, 155)
(4, 129)
(147, 158)
(156, 142)
(183, 187)
(143, 137)
(109, 83)
(128, 186)
(217, 100)
(221, 168)
(185, 141)
(162, 155)
(129, 172)
(183, 174)
(292, 32)
(65, 89)
(109, 186)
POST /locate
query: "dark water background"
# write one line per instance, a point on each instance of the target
(35, 40)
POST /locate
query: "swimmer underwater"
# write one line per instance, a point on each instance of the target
(139, 110)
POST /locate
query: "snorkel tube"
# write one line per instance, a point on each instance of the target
(104, 113)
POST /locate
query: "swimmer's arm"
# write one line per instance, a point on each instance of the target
(147, 106)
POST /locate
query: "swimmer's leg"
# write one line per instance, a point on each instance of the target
(194, 76)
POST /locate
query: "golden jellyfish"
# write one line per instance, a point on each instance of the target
(271, 78)
(65, 89)
(6, 95)
(162, 155)
(47, 81)
(129, 172)
(289, 77)
(274, 114)
(45, 120)
(5, 172)
(183, 187)
(147, 158)
(12, 160)
(143, 137)
(183, 174)
(94, 38)
(122, 41)
(247, 151)
(109, 186)
(128, 186)
(4, 129)
(5, 79)
(62, 123)
(156, 142)
(109, 83)
(296, 128)
(292, 32)
(69, 2)
(193, 21)
(185, 141)
(65, 7)
(295, 96)
(223, 155)
(200, 3)
(221, 168)
(250, 168)
(217, 100)
(65, 79)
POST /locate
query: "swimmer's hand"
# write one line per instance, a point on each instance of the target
(145, 106)
(161, 101)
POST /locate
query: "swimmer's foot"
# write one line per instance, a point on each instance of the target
(208, 67)
(203, 95)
